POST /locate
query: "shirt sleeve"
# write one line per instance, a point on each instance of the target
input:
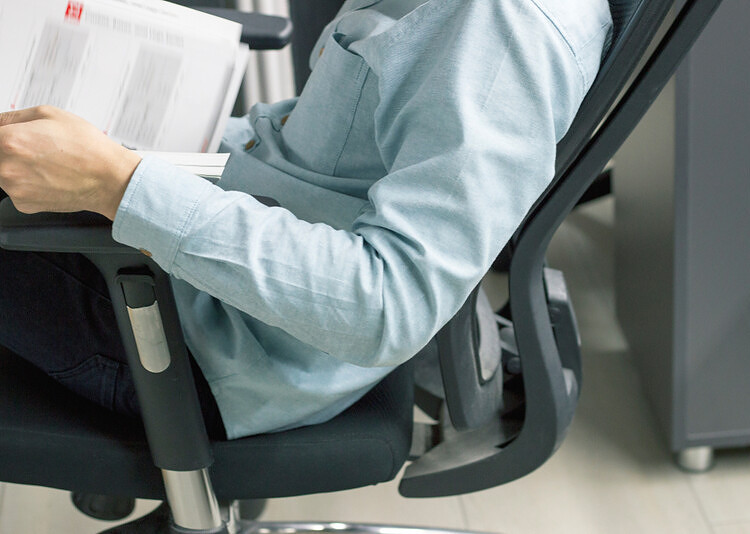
(467, 131)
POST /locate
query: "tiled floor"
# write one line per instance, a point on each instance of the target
(612, 474)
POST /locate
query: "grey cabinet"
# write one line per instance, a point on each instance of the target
(682, 190)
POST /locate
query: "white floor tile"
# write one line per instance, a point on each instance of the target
(35, 510)
(610, 476)
(741, 528)
(724, 491)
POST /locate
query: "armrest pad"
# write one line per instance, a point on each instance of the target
(83, 232)
(260, 32)
(56, 232)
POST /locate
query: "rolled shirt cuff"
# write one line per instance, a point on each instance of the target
(157, 208)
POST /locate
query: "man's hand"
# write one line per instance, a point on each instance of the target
(52, 160)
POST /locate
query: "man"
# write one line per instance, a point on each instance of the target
(424, 134)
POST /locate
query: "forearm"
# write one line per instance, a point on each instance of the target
(328, 288)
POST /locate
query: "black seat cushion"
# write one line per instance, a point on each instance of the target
(50, 437)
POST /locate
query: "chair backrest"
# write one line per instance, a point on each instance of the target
(497, 446)
(309, 19)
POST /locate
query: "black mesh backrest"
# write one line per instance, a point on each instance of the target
(581, 157)
(488, 456)
(491, 456)
(629, 41)
(470, 400)
(621, 11)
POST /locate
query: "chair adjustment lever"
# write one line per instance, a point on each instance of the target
(138, 289)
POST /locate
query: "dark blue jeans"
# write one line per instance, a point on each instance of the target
(56, 313)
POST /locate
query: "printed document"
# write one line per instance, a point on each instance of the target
(150, 74)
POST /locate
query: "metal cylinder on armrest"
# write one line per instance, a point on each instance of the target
(149, 325)
(161, 370)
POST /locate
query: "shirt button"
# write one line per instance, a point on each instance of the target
(250, 144)
(284, 119)
(145, 252)
(321, 51)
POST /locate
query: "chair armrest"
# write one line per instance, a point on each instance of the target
(140, 292)
(260, 32)
(82, 232)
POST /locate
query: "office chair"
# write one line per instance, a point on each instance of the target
(497, 429)
(259, 32)
(309, 19)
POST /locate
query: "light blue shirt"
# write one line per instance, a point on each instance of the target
(424, 135)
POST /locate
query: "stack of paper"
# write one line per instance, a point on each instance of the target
(151, 74)
(209, 166)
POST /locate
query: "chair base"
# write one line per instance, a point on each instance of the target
(264, 527)
(103, 507)
(238, 525)
(158, 522)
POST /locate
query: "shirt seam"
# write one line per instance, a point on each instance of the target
(581, 70)
(355, 107)
(607, 38)
(172, 258)
(136, 181)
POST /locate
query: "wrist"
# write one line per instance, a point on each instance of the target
(116, 181)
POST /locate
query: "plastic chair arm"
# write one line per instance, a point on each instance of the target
(260, 32)
(82, 232)
(168, 399)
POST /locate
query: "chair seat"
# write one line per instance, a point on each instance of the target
(97, 451)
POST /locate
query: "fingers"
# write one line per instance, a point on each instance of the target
(14, 127)
(27, 115)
